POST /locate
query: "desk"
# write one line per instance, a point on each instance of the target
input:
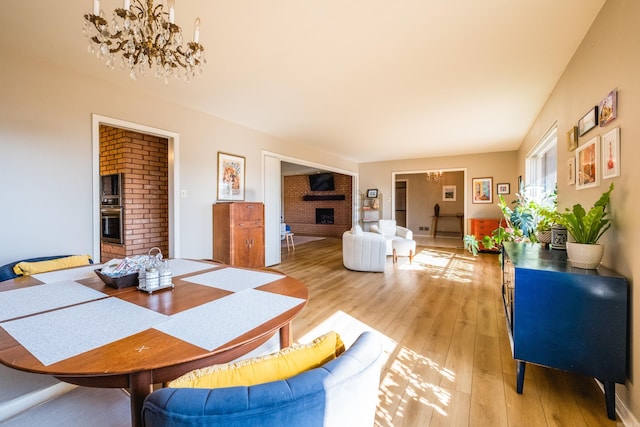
(434, 223)
(154, 354)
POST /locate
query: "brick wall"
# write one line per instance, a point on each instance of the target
(301, 215)
(143, 159)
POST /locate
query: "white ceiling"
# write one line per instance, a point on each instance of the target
(365, 79)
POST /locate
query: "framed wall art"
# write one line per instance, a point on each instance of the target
(231, 172)
(372, 193)
(504, 188)
(588, 164)
(482, 190)
(571, 171)
(611, 154)
(572, 138)
(588, 121)
(448, 193)
(608, 108)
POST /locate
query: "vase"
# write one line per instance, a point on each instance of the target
(544, 236)
(558, 237)
(585, 256)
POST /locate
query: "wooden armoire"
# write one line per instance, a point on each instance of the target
(238, 233)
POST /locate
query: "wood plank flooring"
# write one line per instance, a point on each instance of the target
(444, 332)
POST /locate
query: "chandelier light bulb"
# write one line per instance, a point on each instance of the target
(196, 31)
(172, 13)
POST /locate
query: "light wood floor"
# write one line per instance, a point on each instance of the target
(443, 327)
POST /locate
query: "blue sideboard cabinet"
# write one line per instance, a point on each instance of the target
(564, 317)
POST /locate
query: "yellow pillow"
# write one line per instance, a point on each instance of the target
(28, 268)
(284, 364)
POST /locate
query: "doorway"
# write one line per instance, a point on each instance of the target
(401, 202)
(173, 178)
(423, 189)
(274, 202)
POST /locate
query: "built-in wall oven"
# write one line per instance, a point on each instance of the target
(111, 209)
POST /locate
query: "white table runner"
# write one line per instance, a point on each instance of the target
(78, 273)
(213, 324)
(36, 299)
(60, 334)
(234, 279)
(179, 266)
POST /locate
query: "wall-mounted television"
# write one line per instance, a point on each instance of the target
(321, 182)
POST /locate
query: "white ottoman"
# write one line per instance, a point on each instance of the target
(403, 247)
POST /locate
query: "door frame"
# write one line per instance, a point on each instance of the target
(174, 177)
(463, 170)
(273, 221)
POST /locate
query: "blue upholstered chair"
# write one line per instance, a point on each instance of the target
(342, 392)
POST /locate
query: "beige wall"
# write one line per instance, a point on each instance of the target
(608, 58)
(46, 172)
(501, 167)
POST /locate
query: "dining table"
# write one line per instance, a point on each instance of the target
(69, 324)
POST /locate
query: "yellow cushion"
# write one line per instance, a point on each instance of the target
(28, 268)
(273, 367)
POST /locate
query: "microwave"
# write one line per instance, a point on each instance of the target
(111, 189)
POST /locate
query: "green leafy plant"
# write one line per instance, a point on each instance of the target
(520, 222)
(587, 227)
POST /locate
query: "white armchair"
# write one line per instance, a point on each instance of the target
(399, 240)
(363, 251)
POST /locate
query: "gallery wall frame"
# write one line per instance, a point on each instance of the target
(611, 154)
(448, 193)
(571, 171)
(503, 188)
(572, 138)
(231, 176)
(588, 121)
(588, 164)
(608, 108)
(482, 190)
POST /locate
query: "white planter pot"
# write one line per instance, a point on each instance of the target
(584, 256)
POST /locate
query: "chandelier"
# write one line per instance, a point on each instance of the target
(145, 35)
(434, 176)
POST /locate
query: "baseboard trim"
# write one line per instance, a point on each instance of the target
(622, 410)
(27, 401)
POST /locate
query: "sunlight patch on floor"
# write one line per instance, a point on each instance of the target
(406, 374)
(349, 328)
(441, 264)
(412, 378)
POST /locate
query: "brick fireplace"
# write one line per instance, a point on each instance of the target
(301, 206)
(324, 216)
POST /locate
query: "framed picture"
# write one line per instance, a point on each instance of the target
(611, 154)
(503, 188)
(608, 108)
(448, 193)
(571, 171)
(372, 193)
(231, 171)
(588, 164)
(572, 138)
(588, 121)
(482, 190)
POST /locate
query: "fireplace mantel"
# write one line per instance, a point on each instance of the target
(314, 198)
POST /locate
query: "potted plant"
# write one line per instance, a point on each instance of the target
(519, 223)
(586, 228)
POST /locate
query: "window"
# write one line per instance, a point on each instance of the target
(542, 166)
